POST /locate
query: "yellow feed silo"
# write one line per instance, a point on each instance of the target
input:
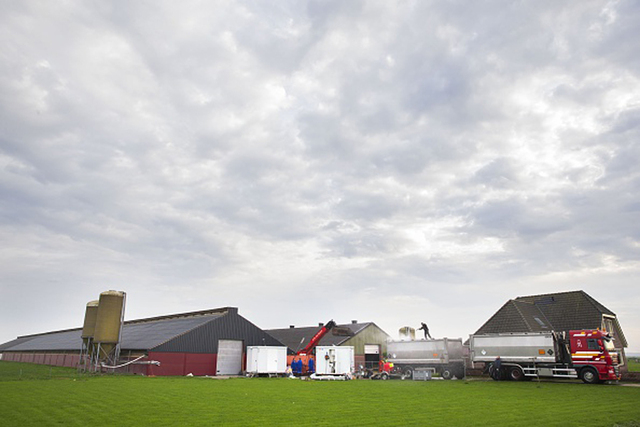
(90, 316)
(108, 321)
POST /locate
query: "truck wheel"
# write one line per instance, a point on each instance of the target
(384, 376)
(447, 374)
(516, 374)
(589, 375)
(407, 374)
(495, 373)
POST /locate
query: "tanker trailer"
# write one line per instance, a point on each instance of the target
(587, 354)
(443, 356)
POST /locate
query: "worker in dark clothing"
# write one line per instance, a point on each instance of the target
(296, 366)
(425, 328)
(497, 369)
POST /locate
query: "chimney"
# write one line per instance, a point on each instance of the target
(320, 324)
(292, 326)
(354, 322)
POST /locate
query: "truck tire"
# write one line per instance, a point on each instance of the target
(589, 375)
(516, 374)
(384, 376)
(496, 374)
(447, 374)
(407, 373)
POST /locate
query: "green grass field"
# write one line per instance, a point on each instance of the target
(633, 363)
(11, 371)
(71, 399)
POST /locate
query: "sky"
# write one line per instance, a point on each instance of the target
(387, 162)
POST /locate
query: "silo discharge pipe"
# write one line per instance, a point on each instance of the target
(150, 362)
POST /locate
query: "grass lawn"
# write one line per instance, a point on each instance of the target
(633, 364)
(13, 371)
(141, 401)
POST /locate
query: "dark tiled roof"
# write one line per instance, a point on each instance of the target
(562, 311)
(569, 310)
(533, 317)
(513, 316)
(296, 338)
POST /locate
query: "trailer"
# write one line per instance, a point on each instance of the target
(334, 360)
(266, 360)
(586, 354)
(442, 356)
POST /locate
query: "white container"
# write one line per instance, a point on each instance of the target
(266, 360)
(334, 360)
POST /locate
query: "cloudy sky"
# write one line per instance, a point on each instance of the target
(394, 162)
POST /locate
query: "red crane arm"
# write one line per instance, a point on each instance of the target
(317, 337)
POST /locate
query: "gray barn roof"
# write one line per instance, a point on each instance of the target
(15, 342)
(61, 341)
(176, 332)
(148, 335)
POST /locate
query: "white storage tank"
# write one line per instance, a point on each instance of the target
(335, 360)
(266, 360)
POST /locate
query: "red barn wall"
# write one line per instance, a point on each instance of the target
(183, 363)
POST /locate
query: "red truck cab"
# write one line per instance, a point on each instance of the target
(593, 356)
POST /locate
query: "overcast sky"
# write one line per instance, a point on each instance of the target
(394, 162)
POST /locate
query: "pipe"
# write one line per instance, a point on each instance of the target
(150, 362)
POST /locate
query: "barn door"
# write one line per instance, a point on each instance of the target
(229, 357)
(372, 356)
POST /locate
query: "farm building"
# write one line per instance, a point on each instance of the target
(209, 342)
(368, 340)
(559, 312)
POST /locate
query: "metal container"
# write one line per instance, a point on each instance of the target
(407, 333)
(426, 352)
(514, 347)
(422, 374)
(266, 360)
(109, 321)
(333, 360)
(90, 316)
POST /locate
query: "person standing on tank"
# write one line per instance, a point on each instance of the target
(425, 328)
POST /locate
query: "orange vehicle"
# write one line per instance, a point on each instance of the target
(303, 362)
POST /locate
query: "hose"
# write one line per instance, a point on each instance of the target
(151, 362)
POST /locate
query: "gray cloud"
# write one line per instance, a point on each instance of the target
(379, 158)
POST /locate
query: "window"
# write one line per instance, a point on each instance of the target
(540, 322)
(593, 344)
(608, 325)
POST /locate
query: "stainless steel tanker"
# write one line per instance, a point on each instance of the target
(586, 354)
(443, 356)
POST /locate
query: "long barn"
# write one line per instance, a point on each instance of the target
(210, 342)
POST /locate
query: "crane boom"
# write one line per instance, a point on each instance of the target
(317, 337)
